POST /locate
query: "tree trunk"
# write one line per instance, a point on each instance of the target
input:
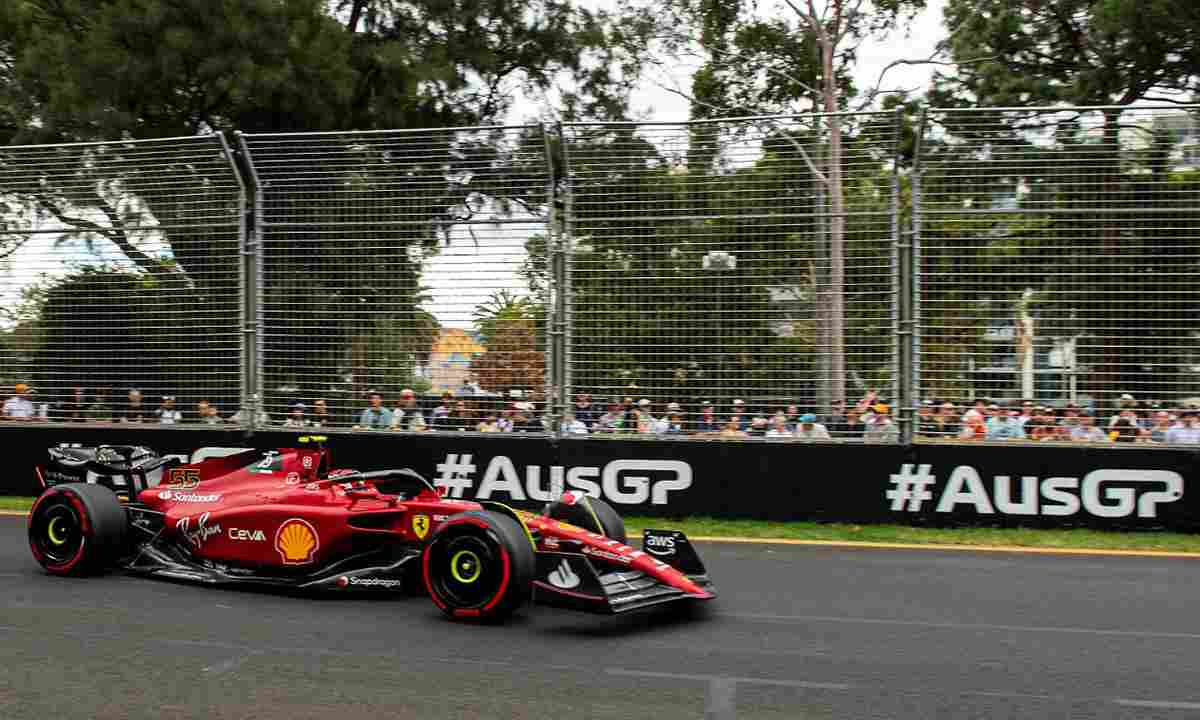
(837, 228)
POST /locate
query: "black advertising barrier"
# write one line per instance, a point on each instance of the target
(1106, 487)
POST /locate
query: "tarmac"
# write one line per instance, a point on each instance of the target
(799, 631)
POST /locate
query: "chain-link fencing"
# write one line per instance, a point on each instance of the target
(119, 279)
(711, 279)
(728, 277)
(1058, 257)
(394, 269)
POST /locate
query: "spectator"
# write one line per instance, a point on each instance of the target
(523, 419)
(1028, 410)
(881, 429)
(973, 427)
(779, 427)
(375, 416)
(758, 426)
(1003, 425)
(945, 423)
(673, 421)
(1162, 424)
(586, 412)
(855, 428)
(19, 406)
(263, 418)
(207, 413)
(810, 429)
(611, 421)
(836, 418)
(1086, 430)
(101, 409)
(443, 408)
(572, 425)
(739, 414)
(1126, 404)
(320, 414)
(295, 419)
(1070, 415)
(167, 413)
(1126, 429)
(732, 429)
(489, 423)
(74, 408)
(1187, 432)
(927, 425)
(707, 423)
(453, 419)
(134, 409)
(791, 415)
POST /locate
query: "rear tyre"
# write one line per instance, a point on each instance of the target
(589, 513)
(77, 529)
(479, 565)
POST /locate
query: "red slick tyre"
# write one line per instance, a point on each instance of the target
(479, 565)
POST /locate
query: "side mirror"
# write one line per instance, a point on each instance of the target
(441, 490)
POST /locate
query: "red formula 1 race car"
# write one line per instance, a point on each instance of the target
(286, 518)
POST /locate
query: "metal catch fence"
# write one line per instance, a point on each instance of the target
(119, 278)
(393, 269)
(724, 274)
(1058, 256)
(719, 278)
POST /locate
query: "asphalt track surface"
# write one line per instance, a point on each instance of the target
(798, 632)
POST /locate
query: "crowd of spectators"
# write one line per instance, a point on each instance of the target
(870, 419)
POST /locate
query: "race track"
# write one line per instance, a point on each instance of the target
(798, 632)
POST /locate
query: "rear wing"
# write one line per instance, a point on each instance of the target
(124, 469)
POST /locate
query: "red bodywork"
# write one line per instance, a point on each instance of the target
(290, 511)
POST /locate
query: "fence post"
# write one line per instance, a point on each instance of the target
(251, 280)
(906, 397)
(913, 291)
(556, 312)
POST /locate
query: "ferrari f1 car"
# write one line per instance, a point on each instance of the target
(286, 518)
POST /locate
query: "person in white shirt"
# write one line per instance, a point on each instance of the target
(809, 429)
(572, 425)
(1187, 432)
(779, 428)
(19, 406)
(167, 413)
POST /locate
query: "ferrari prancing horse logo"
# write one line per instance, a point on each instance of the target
(420, 526)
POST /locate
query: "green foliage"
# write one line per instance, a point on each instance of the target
(1081, 52)
(95, 69)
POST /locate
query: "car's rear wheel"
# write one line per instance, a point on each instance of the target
(588, 513)
(76, 529)
(479, 565)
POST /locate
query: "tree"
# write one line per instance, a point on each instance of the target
(106, 69)
(800, 58)
(1074, 52)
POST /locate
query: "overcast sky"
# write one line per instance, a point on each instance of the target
(464, 274)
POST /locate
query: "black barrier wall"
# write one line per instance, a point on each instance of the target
(1119, 487)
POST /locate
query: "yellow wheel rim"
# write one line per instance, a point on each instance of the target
(465, 567)
(52, 532)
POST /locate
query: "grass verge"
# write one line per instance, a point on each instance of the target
(1076, 538)
(839, 532)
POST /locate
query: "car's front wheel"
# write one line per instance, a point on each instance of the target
(479, 565)
(77, 528)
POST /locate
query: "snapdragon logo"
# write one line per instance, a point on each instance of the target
(1102, 493)
(625, 482)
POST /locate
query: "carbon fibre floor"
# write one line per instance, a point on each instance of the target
(797, 633)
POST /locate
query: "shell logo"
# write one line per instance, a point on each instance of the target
(297, 542)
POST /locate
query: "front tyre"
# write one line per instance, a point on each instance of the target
(479, 565)
(589, 513)
(76, 529)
